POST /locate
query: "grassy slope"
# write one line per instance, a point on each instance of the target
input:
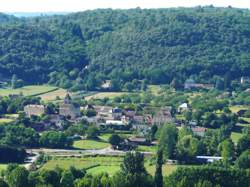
(28, 90)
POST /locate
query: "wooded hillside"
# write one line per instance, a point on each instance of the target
(80, 50)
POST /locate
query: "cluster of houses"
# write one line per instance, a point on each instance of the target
(68, 111)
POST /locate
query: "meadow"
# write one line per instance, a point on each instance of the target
(32, 90)
(99, 164)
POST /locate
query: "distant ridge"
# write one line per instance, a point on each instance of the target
(35, 14)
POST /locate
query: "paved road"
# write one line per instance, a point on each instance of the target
(105, 151)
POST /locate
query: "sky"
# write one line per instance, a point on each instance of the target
(81, 5)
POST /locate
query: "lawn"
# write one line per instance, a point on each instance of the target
(90, 144)
(235, 136)
(28, 90)
(106, 136)
(102, 95)
(51, 96)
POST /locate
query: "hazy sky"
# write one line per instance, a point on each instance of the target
(79, 5)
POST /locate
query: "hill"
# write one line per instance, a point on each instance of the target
(81, 50)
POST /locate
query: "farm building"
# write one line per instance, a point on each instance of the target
(34, 110)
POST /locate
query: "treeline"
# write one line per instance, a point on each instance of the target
(81, 50)
(132, 174)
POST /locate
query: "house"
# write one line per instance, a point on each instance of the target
(163, 116)
(183, 107)
(116, 113)
(106, 85)
(199, 131)
(69, 109)
(139, 140)
(190, 84)
(208, 159)
(34, 110)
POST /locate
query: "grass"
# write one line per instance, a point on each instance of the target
(246, 119)
(235, 136)
(28, 90)
(144, 148)
(102, 169)
(84, 162)
(102, 95)
(237, 108)
(98, 164)
(90, 144)
(154, 89)
(5, 120)
(51, 96)
(106, 136)
(3, 167)
(167, 169)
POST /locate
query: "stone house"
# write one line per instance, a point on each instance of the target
(34, 110)
(69, 109)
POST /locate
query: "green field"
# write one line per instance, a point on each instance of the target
(167, 169)
(3, 167)
(52, 96)
(106, 136)
(5, 120)
(235, 136)
(143, 148)
(99, 164)
(237, 108)
(90, 144)
(154, 89)
(102, 169)
(28, 90)
(83, 162)
(102, 95)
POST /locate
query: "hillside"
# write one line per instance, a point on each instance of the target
(81, 50)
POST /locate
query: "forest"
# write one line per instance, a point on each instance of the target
(79, 51)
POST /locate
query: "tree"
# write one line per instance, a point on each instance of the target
(115, 140)
(227, 80)
(133, 172)
(243, 144)
(92, 132)
(14, 82)
(187, 148)
(67, 179)
(219, 84)
(50, 177)
(227, 149)
(243, 161)
(168, 140)
(18, 177)
(158, 171)
(54, 139)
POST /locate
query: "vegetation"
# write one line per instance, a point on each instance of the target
(81, 50)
